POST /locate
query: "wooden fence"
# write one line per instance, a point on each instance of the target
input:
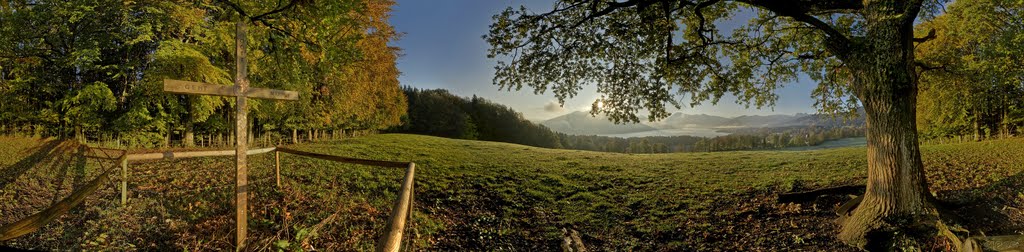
(34, 222)
(390, 240)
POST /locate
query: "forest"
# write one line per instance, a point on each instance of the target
(93, 70)
(972, 82)
(437, 112)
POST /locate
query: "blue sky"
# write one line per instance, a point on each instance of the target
(442, 48)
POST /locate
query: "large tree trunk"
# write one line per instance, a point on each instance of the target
(886, 83)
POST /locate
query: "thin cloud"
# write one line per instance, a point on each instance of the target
(553, 107)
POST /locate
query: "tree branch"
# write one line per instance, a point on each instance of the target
(290, 4)
(612, 6)
(235, 7)
(700, 27)
(262, 19)
(799, 10)
(930, 36)
(926, 67)
(913, 10)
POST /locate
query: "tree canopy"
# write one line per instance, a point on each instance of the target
(975, 75)
(647, 55)
(97, 66)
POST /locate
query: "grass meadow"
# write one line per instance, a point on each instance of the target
(475, 195)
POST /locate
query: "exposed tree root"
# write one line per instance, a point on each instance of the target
(571, 241)
(868, 231)
(844, 210)
(994, 243)
(914, 233)
(814, 194)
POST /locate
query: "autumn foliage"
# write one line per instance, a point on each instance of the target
(94, 69)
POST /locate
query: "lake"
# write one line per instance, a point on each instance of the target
(697, 132)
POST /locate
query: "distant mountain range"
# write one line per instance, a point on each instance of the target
(582, 123)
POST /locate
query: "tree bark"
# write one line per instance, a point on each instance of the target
(977, 129)
(167, 137)
(79, 134)
(190, 136)
(295, 136)
(885, 81)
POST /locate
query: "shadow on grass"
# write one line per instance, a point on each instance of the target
(184, 209)
(67, 161)
(992, 209)
(39, 154)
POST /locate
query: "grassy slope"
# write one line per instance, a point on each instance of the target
(485, 196)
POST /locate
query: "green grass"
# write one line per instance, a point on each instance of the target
(473, 195)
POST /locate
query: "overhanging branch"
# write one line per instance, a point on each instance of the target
(930, 36)
(927, 67)
(263, 19)
(234, 7)
(290, 5)
(800, 10)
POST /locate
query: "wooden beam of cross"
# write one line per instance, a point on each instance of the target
(240, 91)
(189, 87)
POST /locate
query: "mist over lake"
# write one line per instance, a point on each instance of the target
(690, 131)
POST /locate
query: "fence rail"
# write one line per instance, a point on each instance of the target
(344, 159)
(192, 154)
(390, 240)
(34, 222)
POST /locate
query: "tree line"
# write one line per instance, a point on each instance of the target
(777, 138)
(974, 81)
(438, 112)
(94, 69)
(745, 139)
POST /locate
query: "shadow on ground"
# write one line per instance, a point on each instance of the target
(990, 209)
(40, 153)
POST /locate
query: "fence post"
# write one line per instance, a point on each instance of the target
(392, 238)
(124, 179)
(277, 167)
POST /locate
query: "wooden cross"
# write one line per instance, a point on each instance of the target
(240, 91)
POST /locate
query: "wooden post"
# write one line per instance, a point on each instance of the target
(124, 180)
(241, 123)
(392, 238)
(241, 91)
(277, 167)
